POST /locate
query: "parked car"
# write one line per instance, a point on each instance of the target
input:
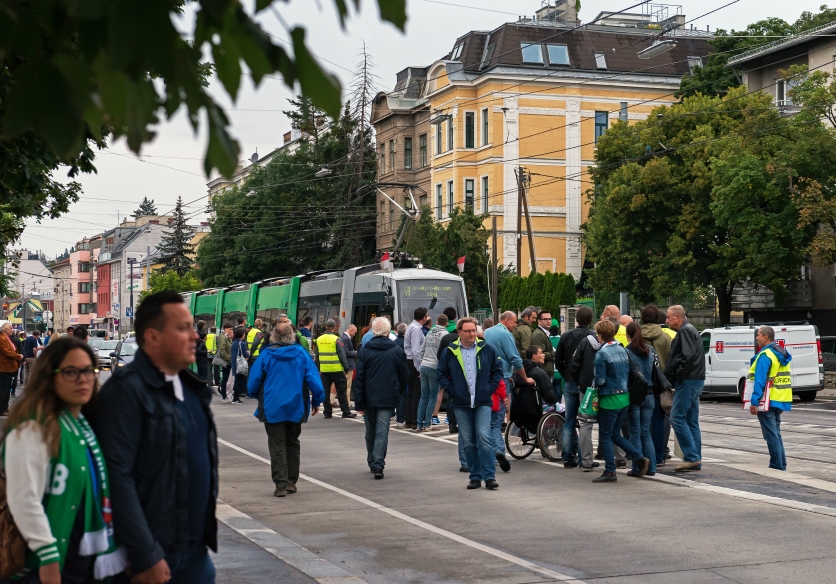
(94, 342)
(124, 353)
(103, 351)
(728, 351)
(828, 353)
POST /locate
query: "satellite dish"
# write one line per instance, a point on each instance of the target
(254, 158)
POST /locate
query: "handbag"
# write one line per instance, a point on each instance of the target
(666, 400)
(13, 550)
(660, 382)
(241, 365)
(589, 405)
(216, 360)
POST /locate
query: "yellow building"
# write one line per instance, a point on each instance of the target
(537, 94)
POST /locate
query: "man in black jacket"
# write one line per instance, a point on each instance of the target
(347, 341)
(685, 370)
(156, 431)
(382, 378)
(582, 372)
(571, 391)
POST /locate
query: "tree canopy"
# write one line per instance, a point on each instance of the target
(146, 208)
(284, 220)
(699, 195)
(171, 280)
(176, 248)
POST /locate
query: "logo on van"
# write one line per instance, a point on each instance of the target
(781, 342)
(719, 347)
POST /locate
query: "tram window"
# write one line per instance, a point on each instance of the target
(209, 319)
(269, 316)
(415, 293)
(231, 318)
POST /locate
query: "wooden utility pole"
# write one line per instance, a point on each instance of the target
(528, 226)
(518, 173)
(494, 273)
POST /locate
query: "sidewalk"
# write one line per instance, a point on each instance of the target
(241, 561)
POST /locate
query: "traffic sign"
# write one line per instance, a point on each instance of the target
(129, 312)
(47, 314)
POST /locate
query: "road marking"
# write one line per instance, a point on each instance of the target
(289, 552)
(758, 497)
(432, 528)
(820, 484)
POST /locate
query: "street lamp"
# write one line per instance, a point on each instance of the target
(131, 262)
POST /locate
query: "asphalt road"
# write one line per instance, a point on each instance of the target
(734, 521)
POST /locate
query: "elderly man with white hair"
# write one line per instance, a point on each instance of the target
(382, 377)
(9, 361)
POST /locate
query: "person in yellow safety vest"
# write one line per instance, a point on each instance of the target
(613, 314)
(669, 331)
(330, 357)
(211, 349)
(255, 336)
(771, 365)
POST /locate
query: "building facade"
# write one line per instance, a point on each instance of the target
(531, 99)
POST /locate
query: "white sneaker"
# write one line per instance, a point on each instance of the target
(226, 401)
(399, 425)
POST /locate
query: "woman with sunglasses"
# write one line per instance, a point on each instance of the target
(56, 479)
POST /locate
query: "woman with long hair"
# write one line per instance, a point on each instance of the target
(56, 478)
(642, 356)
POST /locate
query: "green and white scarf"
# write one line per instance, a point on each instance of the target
(69, 479)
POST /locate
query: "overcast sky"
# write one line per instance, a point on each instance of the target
(171, 166)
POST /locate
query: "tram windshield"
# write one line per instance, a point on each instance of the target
(415, 293)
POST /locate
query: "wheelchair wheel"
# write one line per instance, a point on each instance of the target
(550, 436)
(519, 441)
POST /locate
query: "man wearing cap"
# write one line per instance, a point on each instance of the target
(333, 366)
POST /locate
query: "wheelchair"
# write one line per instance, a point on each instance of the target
(530, 428)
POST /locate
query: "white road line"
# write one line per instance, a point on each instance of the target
(758, 497)
(432, 528)
(289, 552)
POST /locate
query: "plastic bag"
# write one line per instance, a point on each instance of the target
(589, 404)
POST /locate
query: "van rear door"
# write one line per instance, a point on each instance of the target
(800, 342)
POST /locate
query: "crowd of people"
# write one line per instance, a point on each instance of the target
(121, 481)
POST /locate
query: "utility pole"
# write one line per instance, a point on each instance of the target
(518, 172)
(494, 273)
(522, 178)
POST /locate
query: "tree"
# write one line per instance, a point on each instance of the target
(146, 208)
(295, 222)
(82, 70)
(698, 196)
(170, 280)
(176, 249)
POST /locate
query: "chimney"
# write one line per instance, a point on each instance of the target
(154, 222)
(286, 137)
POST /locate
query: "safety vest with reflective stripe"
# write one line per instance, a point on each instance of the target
(329, 361)
(250, 339)
(670, 332)
(211, 343)
(621, 335)
(779, 375)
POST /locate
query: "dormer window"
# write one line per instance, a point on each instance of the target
(457, 52)
(532, 53)
(486, 58)
(558, 54)
(693, 63)
(600, 60)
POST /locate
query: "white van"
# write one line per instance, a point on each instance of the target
(728, 351)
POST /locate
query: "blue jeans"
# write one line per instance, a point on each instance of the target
(685, 418)
(557, 384)
(429, 394)
(475, 437)
(496, 429)
(194, 566)
(572, 401)
(377, 435)
(660, 430)
(771, 430)
(609, 433)
(640, 417)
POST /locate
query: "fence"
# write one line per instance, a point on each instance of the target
(700, 304)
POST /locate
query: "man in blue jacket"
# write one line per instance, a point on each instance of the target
(470, 371)
(771, 365)
(283, 378)
(382, 378)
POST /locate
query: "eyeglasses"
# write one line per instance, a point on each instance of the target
(73, 373)
(469, 331)
(546, 318)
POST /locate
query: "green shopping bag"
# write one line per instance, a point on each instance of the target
(589, 404)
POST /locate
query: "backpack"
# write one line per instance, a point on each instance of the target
(636, 383)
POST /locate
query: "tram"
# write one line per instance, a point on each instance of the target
(355, 295)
